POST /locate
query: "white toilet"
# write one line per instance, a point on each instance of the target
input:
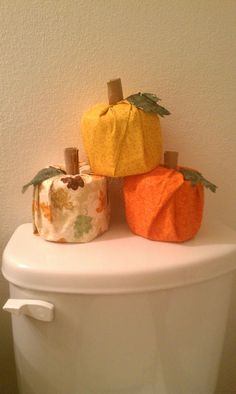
(119, 315)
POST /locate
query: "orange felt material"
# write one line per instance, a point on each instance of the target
(162, 206)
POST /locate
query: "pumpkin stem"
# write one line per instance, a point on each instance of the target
(71, 156)
(115, 92)
(171, 159)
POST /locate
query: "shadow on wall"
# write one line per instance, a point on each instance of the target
(7, 368)
(227, 377)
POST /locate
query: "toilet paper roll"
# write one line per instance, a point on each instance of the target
(71, 208)
(162, 206)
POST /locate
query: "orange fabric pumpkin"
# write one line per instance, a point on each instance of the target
(161, 205)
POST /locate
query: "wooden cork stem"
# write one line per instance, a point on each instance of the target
(171, 159)
(115, 92)
(71, 156)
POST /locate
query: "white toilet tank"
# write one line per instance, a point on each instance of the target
(119, 315)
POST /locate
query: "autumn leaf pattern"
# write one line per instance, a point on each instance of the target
(102, 202)
(61, 199)
(83, 225)
(73, 182)
(70, 208)
(34, 206)
(47, 211)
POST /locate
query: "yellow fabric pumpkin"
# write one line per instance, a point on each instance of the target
(121, 139)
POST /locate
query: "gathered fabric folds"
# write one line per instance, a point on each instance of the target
(71, 208)
(162, 206)
(121, 139)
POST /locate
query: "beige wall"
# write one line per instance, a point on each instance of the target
(56, 56)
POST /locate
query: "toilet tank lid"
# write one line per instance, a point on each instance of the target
(117, 262)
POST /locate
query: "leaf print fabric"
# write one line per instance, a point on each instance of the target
(102, 201)
(82, 225)
(46, 210)
(73, 182)
(71, 208)
(61, 199)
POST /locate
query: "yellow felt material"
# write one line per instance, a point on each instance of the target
(121, 139)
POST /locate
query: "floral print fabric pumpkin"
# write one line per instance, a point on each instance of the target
(71, 208)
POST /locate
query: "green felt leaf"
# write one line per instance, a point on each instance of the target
(195, 178)
(42, 175)
(151, 96)
(148, 103)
